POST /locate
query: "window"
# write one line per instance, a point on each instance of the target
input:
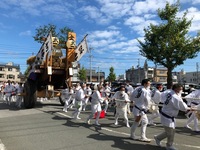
(1, 69)
(1, 75)
(9, 69)
(10, 76)
(162, 72)
(162, 79)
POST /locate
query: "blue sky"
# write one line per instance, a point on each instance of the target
(113, 27)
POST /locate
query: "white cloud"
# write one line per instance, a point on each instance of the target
(195, 1)
(25, 33)
(134, 20)
(104, 34)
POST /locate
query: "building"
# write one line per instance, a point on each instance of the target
(95, 76)
(9, 71)
(121, 77)
(188, 77)
(154, 74)
(160, 75)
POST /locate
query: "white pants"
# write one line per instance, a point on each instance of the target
(193, 117)
(67, 102)
(85, 103)
(169, 134)
(95, 108)
(78, 106)
(106, 105)
(72, 103)
(19, 100)
(123, 112)
(144, 122)
(8, 99)
(153, 116)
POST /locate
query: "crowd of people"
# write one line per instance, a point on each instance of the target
(125, 99)
(141, 100)
(11, 92)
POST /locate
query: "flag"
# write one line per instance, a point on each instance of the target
(81, 49)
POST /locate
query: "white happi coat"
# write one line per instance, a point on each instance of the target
(87, 92)
(164, 95)
(129, 89)
(96, 101)
(142, 99)
(156, 96)
(121, 102)
(79, 98)
(193, 94)
(172, 104)
(67, 94)
(9, 89)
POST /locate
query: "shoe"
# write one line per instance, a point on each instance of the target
(187, 126)
(135, 137)
(127, 125)
(157, 141)
(145, 140)
(64, 110)
(88, 121)
(171, 148)
(96, 123)
(78, 118)
(152, 124)
(116, 123)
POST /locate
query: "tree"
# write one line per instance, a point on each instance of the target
(27, 71)
(112, 75)
(168, 44)
(43, 31)
(82, 74)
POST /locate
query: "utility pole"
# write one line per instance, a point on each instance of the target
(139, 70)
(98, 75)
(90, 56)
(197, 66)
(155, 72)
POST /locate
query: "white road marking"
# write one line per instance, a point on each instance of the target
(127, 134)
(2, 146)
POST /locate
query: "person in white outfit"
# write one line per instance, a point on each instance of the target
(193, 103)
(79, 98)
(67, 95)
(156, 99)
(141, 98)
(106, 93)
(19, 96)
(129, 91)
(96, 102)
(129, 88)
(121, 99)
(172, 104)
(8, 90)
(14, 93)
(88, 92)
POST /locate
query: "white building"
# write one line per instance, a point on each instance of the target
(9, 71)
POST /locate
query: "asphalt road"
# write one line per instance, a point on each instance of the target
(47, 127)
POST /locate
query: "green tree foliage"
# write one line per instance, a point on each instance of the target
(26, 71)
(168, 44)
(43, 31)
(82, 74)
(112, 75)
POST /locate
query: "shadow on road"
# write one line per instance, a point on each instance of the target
(122, 143)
